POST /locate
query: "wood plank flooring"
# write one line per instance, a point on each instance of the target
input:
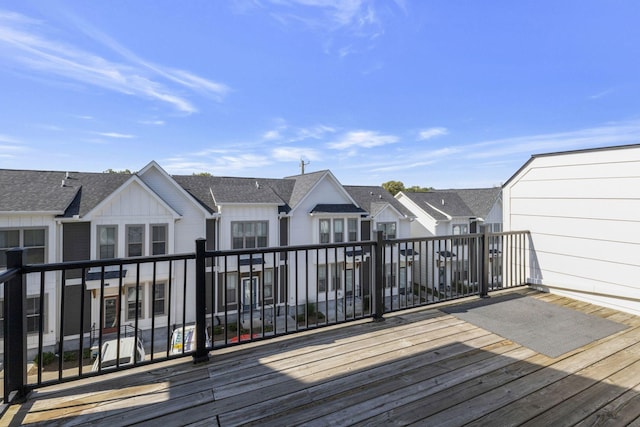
(422, 367)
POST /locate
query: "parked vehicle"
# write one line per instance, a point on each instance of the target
(131, 350)
(183, 339)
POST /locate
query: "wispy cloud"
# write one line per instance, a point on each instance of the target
(152, 122)
(287, 134)
(115, 135)
(601, 94)
(28, 44)
(362, 139)
(431, 133)
(356, 19)
(288, 154)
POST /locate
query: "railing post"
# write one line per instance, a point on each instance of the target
(484, 262)
(378, 281)
(15, 337)
(202, 353)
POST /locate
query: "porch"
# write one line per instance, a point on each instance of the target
(421, 366)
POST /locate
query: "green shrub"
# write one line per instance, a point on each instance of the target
(47, 358)
(70, 356)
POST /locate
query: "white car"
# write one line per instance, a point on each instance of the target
(183, 339)
(131, 349)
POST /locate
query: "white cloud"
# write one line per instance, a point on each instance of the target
(27, 44)
(287, 154)
(431, 133)
(152, 122)
(363, 139)
(115, 135)
(271, 135)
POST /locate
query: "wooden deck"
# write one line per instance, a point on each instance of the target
(421, 367)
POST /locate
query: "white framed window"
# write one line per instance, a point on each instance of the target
(159, 239)
(460, 229)
(132, 305)
(231, 288)
(249, 234)
(338, 230)
(268, 283)
(352, 229)
(322, 278)
(160, 305)
(135, 240)
(33, 240)
(388, 229)
(32, 313)
(325, 230)
(107, 241)
(335, 270)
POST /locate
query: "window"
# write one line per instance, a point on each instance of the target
(338, 230)
(33, 240)
(33, 315)
(352, 229)
(322, 278)
(107, 239)
(268, 283)
(388, 229)
(325, 231)
(457, 230)
(159, 299)
(460, 229)
(390, 275)
(159, 239)
(134, 306)
(231, 284)
(135, 240)
(249, 234)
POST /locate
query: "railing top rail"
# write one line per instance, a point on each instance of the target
(276, 249)
(68, 265)
(9, 274)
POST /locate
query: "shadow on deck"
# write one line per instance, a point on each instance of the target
(421, 366)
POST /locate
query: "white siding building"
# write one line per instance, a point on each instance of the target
(583, 211)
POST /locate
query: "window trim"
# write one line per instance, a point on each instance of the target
(152, 243)
(255, 234)
(153, 299)
(382, 226)
(99, 229)
(141, 315)
(28, 249)
(128, 242)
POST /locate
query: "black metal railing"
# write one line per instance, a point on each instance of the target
(71, 320)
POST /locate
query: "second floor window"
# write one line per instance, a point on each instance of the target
(388, 229)
(31, 239)
(338, 230)
(352, 229)
(249, 234)
(159, 239)
(325, 230)
(107, 239)
(135, 240)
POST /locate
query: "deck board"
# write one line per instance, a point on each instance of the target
(421, 367)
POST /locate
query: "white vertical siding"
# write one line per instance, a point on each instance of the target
(583, 211)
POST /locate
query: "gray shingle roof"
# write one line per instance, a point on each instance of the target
(375, 198)
(475, 202)
(42, 191)
(213, 190)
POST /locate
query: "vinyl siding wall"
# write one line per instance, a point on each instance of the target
(583, 211)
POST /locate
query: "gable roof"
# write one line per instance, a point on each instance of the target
(212, 191)
(45, 191)
(479, 200)
(374, 199)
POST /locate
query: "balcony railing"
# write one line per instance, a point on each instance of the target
(65, 321)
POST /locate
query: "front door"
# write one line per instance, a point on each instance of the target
(110, 314)
(250, 295)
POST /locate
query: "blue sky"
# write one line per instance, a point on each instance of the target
(442, 93)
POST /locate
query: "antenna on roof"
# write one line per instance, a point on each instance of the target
(302, 165)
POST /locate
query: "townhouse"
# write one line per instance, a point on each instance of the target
(70, 216)
(448, 261)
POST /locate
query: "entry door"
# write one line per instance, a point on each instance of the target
(111, 307)
(250, 295)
